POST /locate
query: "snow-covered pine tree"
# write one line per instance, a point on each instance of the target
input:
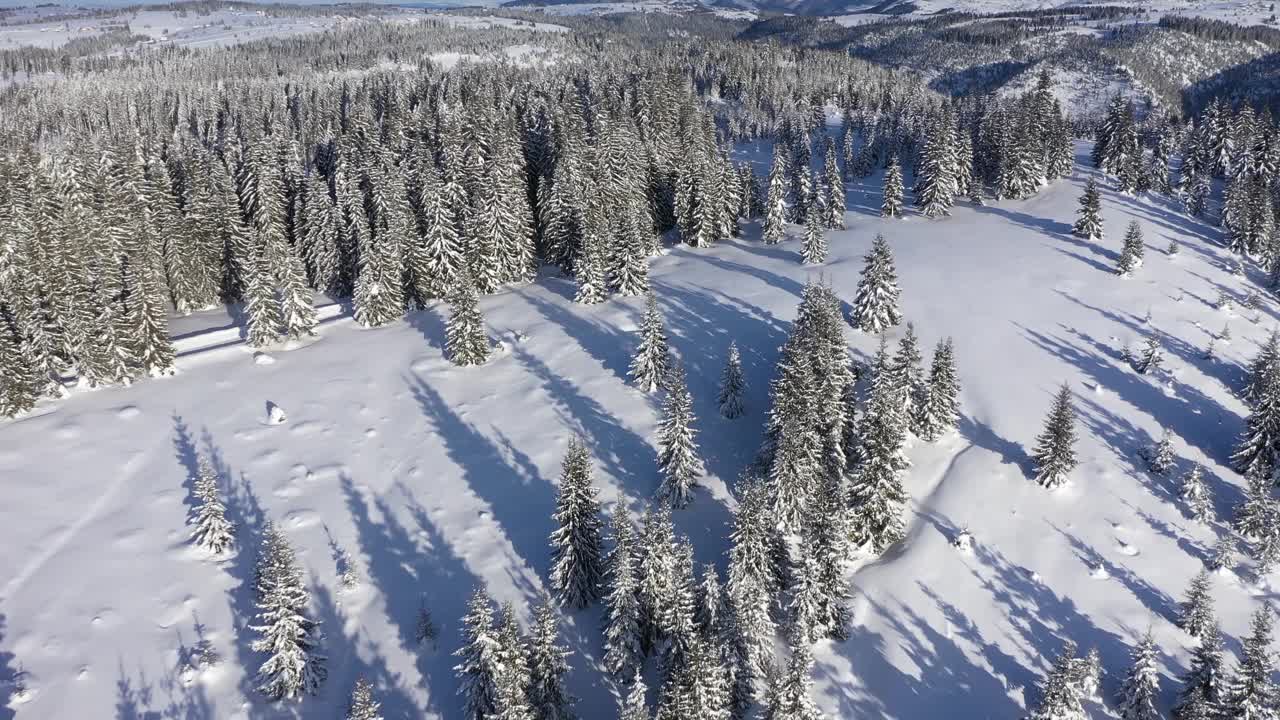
(363, 705)
(789, 699)
(578, 558)
(548, 663)
(677, 452)
(814, 249)
(732, 385)
(1130, 251)
(1054, 454)
(589, 271)
(1160, 459)
(1151, 357)
(940, 411)
(875, 307)
(1255, 453)
(1265, 362)
(1256, 514)
(876, 494)
(294, 664)
(1202, 686)
(752, 582)
(656, 563)
(891, 206)
(1141, 685)
(1196, 614)
(1197, 495)
(465, 340)
(1089, 224)
(211, 528)
(1222, 558)
(833, 207)
(935, 181)
(514, 679)
(1250, 693)
(623, 635)
(629, 270)
(652, 359)
(1086, 674)
(908, 376)
(635, 706)
(775, 204)
(480, 666)
(1060, 698)
(18, 376)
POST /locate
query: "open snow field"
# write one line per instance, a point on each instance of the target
(435, 477)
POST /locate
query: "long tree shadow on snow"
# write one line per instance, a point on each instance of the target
(137, 698)
(1154, 599)
(520, 499)
(345, 663)
(412, 566)
(606, 344)
(1189, 413)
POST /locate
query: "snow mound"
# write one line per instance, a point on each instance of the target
(275, 414)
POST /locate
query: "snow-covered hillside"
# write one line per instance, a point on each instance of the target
(435, 478)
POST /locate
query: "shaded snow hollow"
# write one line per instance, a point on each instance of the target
(434, 477)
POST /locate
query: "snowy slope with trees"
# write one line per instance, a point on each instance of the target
(433, 478)
(678, 377)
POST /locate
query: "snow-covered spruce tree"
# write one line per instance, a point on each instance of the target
(775, 204)
(875, 307)
(1256, 514)
(629, 268)
(814, 249)
(908, 376)
(656, 563)
(211, 528)
(480, 664)
(1089, 224)
(935, 180)
(548, 663)
(514, 679)
(465, 340)
(1060, 698)
(1202, 686)
(652, 358)
(1256, 451)
(1055, 455)
(1197, 495)
(1222, 558)
(1130, 251)
(1137, 699)
(677, 452)
(634, 706)
(623, 635)
(891, 205)
(732, 385)
(1160, 459)
(1150, 358)
(577, 555)
(1196, 614)
(940, 411)
(1086, 674)
(1265, 362)
(294, 664)
(876, 494)
(18, 384)
(1250, 693)
(789, 697)
(752, 583)
(363, 705)
(833, 207)
(589, 271)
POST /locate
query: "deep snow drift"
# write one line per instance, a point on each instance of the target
(434, 478)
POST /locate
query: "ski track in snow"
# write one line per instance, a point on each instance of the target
(122, 478)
